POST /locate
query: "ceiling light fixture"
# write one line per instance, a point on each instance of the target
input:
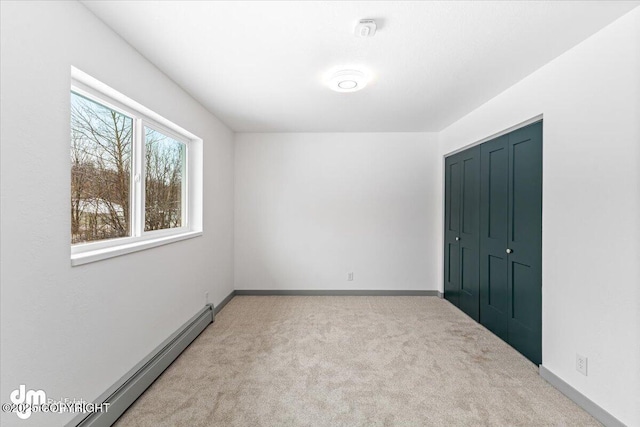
(347, 81)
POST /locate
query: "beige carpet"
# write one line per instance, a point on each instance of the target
(350, 361)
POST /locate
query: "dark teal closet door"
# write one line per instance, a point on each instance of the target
(524, 244)
(470, 232)
(462, 225)
(511, 239)
(493, 236)
(494, 205)
(452, 200)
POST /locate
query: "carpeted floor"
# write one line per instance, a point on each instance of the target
(350, 361)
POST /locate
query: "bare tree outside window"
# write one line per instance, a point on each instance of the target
(164, 166)
(101, 141)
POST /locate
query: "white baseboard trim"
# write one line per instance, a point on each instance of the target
(580, 399)
(124, 392)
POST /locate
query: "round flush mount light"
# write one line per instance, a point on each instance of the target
(347, 81)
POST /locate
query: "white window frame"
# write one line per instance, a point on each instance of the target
(83, 253)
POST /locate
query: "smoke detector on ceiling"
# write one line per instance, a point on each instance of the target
(366, 28)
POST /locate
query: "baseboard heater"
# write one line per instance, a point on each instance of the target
(124, 392)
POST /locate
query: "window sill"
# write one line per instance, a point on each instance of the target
(114, 251)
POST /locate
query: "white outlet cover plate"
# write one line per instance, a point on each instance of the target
(581, 364)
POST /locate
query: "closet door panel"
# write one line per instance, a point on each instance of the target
(453, 188)
(524, 241)
(494, 177)
(470, 233)
(496, 292)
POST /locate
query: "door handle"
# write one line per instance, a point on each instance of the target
(457, 239)
(509, 251)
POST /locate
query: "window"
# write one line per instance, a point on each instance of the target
(135, 176)
(101, 140)
(164, 181)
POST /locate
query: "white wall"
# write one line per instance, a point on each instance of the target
(74, 331)
(310, 207)
(590, 98)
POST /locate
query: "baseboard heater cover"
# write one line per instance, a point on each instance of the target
(124, 392)
(580, 399)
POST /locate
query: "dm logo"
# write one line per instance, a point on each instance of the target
(25, 400)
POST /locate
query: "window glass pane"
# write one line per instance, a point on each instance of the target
(100, 171)
(164, 166)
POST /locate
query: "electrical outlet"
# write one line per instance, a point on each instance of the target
(581, 364)
(350, 276)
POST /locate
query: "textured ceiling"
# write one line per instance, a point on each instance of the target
(259, 66)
